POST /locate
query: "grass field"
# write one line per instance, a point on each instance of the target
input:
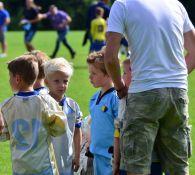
(79, 88)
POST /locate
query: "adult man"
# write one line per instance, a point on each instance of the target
(157, 100)
(4, 21)
(60, 21)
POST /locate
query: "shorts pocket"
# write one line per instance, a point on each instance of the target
(189, 141)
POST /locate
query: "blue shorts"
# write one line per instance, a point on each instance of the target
(97, 45)
(102, 165)
(29, 34)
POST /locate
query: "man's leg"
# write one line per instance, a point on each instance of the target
(140, 126)
(57, 46)
(28, 36)
(173, 140)
(66, 44)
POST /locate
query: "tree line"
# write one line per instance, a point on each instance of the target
(77, 9)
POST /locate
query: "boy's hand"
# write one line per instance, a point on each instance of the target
(76, 164)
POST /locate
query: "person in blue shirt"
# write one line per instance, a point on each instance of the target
(4, 21)
(103, 111)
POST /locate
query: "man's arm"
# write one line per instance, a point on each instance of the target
(112, 62)
(189, 44)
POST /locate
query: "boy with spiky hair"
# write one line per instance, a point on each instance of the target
(58, 72)
(29, 120)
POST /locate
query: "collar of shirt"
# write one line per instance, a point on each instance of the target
(26, 94)
(100, 96)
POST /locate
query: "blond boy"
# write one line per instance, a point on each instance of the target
(67, 149)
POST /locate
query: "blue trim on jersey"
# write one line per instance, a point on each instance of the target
(62, 102)
(40, 88)
(78, 125)
(26, 94)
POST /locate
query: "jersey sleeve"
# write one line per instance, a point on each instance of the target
(79, 115)
(116, 20)
(54, 119)
(4, 134)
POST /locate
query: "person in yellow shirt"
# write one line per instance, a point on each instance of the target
(98, 30)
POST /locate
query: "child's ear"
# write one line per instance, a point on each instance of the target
(45, 81)
(18, 78)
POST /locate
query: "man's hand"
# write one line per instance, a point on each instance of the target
(1, 123)
(122, 92)
(76, 164)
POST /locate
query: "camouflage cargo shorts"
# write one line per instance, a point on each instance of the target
(157, 116)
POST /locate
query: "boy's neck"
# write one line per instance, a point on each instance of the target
(106, 87)
(57, 98)
(39, 83)
(26, 89)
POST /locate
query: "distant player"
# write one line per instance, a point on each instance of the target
(29, 22)
(60, 21)
(91, 15)
(30, 120)
(4, 21)
(98, 30)
(67, 149)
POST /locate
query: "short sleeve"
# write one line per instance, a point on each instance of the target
(79, 115)
(187, 26)
(7, 14)
(116, 20)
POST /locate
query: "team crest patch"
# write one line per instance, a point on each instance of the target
(104, 108)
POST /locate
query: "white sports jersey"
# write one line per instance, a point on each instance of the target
(63, 145)
(30, 121)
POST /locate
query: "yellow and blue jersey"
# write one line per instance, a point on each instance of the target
(103, 111)
(98, 29)
(30, 121)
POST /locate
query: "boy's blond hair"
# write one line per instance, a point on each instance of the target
(58, 65)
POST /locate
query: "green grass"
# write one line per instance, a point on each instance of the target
(79, 88)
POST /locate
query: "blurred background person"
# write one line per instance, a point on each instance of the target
(4, 21)
(29, 22)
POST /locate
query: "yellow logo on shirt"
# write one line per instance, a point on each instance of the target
(104, 108)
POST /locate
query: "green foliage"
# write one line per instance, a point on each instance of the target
(77, 9)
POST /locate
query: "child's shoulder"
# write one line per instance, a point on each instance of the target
(72, 103)
(6, 103)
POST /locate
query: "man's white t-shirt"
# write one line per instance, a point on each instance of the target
(154, 30)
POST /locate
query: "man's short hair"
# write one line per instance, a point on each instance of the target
(58, 65)
(26, 66)
(42, 58)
